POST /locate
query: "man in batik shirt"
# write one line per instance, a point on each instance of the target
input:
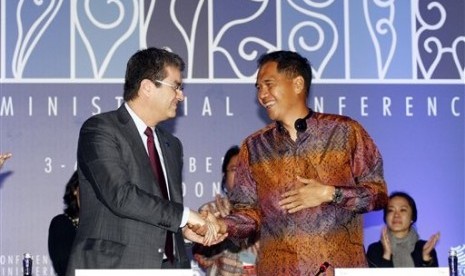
(304, 180)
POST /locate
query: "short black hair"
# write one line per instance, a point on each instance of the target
(290, 63)
(410, 202)
(230, 153)
(149, 64)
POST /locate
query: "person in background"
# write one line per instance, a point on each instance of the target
(226, 258)
(303, 181)
(400, 245)
(131, 213)
(4, 157)
(63, 227)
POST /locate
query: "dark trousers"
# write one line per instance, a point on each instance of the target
(169, 265)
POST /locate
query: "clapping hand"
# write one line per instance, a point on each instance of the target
(4, 157)
(386, 244)
(229, 264)
(429, 246)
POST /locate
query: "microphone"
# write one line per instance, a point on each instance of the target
(322, 268)
(301, 124)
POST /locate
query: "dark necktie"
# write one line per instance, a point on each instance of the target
(158, 173)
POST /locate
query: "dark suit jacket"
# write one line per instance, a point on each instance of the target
(123, 216)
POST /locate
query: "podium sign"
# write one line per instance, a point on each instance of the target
(134, 272)
(398, 271)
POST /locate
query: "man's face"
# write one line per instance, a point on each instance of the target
(275, 92)
(165, 99)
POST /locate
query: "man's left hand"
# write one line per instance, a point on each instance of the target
(312, 194)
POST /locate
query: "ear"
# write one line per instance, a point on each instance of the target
(299, 84)
(145, 87)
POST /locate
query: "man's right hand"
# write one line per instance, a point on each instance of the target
(206, 226)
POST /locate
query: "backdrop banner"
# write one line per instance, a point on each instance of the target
(397, 67)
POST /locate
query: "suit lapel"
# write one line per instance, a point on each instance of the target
(129, 130)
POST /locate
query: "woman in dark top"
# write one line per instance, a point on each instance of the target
(400, 245)
(63, 227)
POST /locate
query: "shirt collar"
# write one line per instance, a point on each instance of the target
(141, 126)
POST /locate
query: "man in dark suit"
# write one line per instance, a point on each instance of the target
(124, 215)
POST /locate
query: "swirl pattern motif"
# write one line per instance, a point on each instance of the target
(220, 40)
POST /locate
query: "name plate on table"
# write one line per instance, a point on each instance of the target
(397, 271)
(134, 272)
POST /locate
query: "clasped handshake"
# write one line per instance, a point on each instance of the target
(205, 228)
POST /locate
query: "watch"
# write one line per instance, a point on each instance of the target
(337, 196)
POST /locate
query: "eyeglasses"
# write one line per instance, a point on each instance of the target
(176, 88)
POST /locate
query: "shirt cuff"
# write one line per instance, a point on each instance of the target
(185, 216)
